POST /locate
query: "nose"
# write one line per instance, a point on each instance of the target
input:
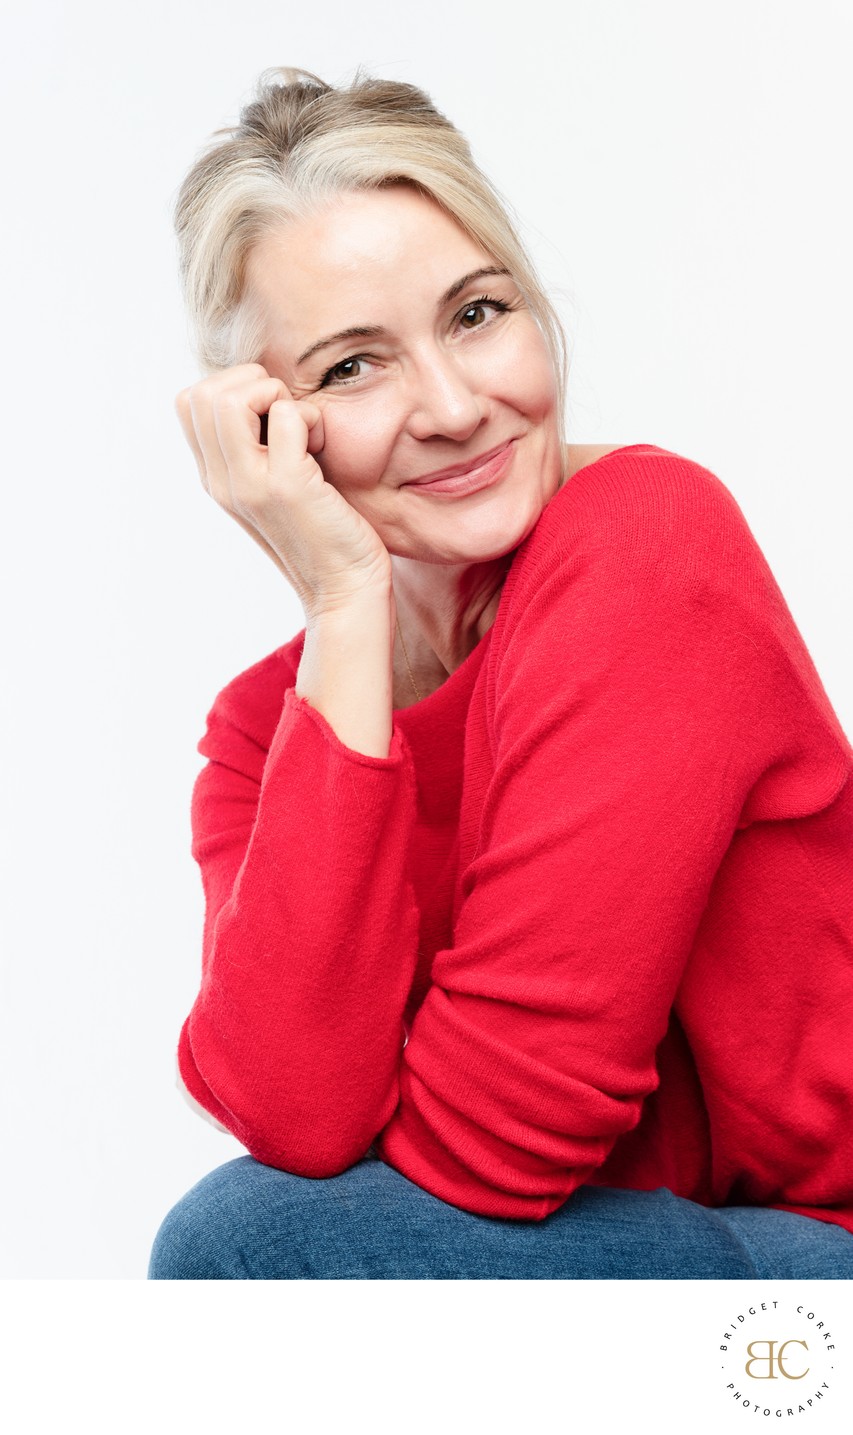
(444, 398)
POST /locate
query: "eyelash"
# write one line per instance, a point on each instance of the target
(498, 304)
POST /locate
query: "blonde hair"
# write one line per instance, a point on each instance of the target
(299, 143)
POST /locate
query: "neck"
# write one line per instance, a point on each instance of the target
(444, 610)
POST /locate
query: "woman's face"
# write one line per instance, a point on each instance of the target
(453, 367)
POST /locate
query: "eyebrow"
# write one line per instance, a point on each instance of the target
(373, 331)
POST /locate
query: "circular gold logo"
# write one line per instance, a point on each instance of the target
(777, 1357)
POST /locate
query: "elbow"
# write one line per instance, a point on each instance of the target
(307, 1145)
(317, 1128)
(195, 1105)
(319, 1162)
(301, 1147)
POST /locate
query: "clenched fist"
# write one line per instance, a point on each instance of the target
(276, 491)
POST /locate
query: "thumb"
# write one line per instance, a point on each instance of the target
(313, 417)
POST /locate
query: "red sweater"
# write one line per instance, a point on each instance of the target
(589, 922)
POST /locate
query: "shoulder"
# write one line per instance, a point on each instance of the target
(642, 534)
(578, 455)
(646, 509)
(618, 483)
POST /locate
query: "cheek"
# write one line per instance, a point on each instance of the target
(523, 376)
(358, 440)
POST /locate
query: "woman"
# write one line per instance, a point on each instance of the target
(527, 862)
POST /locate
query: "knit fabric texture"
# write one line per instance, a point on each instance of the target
(591, 919)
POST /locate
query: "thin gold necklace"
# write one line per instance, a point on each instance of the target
(408, 664)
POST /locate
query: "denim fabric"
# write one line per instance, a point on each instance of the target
(246, 1221)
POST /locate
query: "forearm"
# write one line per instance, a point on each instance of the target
(345, 672)
(311, 940)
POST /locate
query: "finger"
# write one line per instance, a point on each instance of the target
(250, 401)
(295, 434)
(316, 431)
(184, 413)
(242, 394)
(237, 421)
(183, 407)
(214, 466)
(191, 406)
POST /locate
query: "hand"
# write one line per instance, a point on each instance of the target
(327, 551)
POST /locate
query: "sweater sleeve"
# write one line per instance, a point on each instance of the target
(310, 936)
(650, 694)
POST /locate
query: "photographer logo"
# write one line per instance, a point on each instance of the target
(778, 1358)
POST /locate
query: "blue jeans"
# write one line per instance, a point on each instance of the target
(246, 1221)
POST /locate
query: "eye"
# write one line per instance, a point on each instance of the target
(331, 375)
(484, 302)
(338, 377)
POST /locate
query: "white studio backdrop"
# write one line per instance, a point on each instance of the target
(680, 173)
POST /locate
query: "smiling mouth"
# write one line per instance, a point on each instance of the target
(458, 479)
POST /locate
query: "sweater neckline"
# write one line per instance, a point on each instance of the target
(465, 674)
(454, 681)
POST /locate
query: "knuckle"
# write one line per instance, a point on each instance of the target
(227, 401)
(203, 388)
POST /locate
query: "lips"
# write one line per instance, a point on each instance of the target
(456, 470)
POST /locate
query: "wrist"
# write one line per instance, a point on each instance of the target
(341, 609)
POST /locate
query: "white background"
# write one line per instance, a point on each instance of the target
(681, 173)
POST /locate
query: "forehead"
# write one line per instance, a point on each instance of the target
(363, 248)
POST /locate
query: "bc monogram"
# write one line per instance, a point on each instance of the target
(771, 1359)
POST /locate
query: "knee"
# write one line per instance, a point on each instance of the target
(196, 1239)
